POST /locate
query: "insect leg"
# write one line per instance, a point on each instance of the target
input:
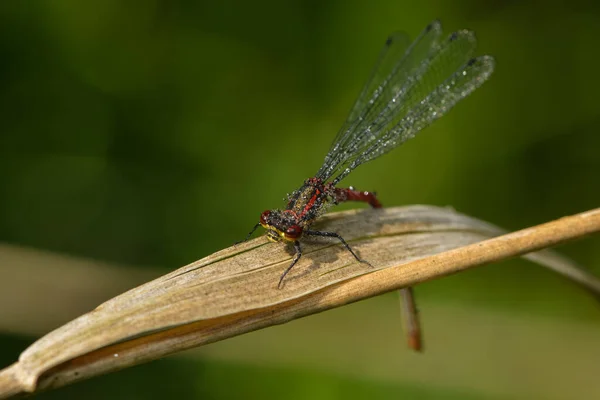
(341, 239)
(294, 261)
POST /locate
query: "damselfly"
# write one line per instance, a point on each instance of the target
(411, 86)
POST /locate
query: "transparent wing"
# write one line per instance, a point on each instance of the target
(433, 106)
(429, 76)
(397, 60)
(395, 47)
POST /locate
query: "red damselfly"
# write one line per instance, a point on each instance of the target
(412, 85)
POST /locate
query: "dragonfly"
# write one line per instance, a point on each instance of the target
(411, 85)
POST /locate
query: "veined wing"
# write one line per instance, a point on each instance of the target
(437, 103)
(386, 65)
(396, 62)
(426, 82)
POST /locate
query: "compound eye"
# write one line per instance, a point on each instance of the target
(293, 232)
(264, 217)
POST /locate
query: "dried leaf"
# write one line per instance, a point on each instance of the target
(235, 290)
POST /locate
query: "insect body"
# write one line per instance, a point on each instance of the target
(304, 206)
(412, 85)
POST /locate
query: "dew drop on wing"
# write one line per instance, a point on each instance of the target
(409, 88)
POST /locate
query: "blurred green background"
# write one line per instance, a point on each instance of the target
(148, 134)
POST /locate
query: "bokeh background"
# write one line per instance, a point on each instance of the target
(138, 136)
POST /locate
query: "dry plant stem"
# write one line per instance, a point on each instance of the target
(136, 327)
(410, 319)
(485, 252)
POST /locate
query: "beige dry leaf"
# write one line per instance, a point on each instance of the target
(234, 291)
